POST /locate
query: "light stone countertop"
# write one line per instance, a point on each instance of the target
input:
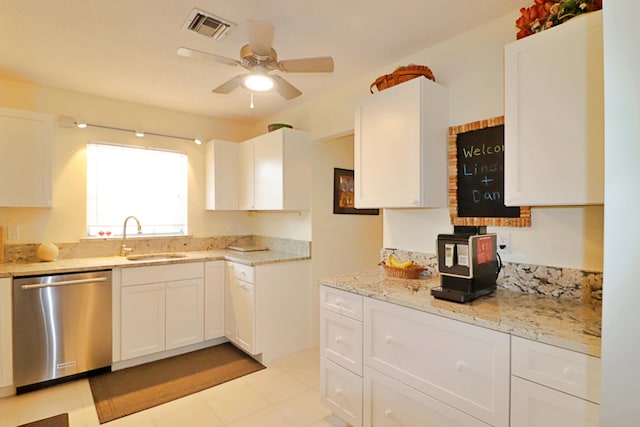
(97, 263)
(562, 322)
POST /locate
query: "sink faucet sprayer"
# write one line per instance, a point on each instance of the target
(123, 248)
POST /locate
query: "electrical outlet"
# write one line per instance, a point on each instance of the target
(13, 233)
(504, 243)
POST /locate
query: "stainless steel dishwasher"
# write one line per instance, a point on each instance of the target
(61, 327)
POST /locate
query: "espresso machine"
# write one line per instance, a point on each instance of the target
(468, 263)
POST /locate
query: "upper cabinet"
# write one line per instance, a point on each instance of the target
(401, 136)
(269, 172)
(554, 116)
(221, 175)
(26, 158)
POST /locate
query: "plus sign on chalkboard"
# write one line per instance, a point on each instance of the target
(476, 176)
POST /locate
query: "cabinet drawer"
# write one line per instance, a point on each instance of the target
(463, 365)
(390, 403)
(341, 391)
(535, 405)
(243, 272)
(568, 371)
(341, 340)
(162, 273)
(342, 302)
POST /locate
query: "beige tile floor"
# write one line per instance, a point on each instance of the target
(286, 394)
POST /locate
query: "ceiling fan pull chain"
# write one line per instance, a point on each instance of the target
(251, 105)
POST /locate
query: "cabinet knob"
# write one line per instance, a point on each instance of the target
(338, 392)
(339, 340)
(388, 413)
(461, 366)
(415, 202)
(566, 372)
(388, 339)
(339, 302)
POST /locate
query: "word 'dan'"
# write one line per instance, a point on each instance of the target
(479, 196)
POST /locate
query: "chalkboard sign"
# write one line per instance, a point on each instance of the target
(476, 176)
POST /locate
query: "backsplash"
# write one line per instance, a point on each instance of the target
(527, 278)
(90, 248)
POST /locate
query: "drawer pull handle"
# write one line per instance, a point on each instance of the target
(339, 302)
(338, 392)
(388, 339)
(339, 340)
(566, 372)
(388, 413)
(461, 366)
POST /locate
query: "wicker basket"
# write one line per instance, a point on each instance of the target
(411, 272)
(401, 75)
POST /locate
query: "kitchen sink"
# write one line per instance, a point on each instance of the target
(156, 257)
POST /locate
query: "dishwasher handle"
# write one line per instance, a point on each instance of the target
(63, 283)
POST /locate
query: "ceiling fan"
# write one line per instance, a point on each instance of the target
(260, 59)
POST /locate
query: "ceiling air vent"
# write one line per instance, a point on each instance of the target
(207, 24)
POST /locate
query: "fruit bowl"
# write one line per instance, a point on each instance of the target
(411, 272)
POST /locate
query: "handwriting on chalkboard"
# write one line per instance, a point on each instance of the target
(476, 176)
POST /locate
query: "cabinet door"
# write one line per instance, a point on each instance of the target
(243, 301)
(143, 320)
(554, 116)
(268, 178)
(26, 158)
(401, 137)
(389, 403)
(245, 175)
(214, 278)
(341, 391)
(229, 313)
(6, 356)
(535, 405)
(184, 313)
(221, 159)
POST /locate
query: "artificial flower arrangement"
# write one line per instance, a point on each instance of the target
(545, 14)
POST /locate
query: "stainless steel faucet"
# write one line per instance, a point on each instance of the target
(123, 248)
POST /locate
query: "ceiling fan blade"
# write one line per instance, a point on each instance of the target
(284, 88)
(260, 37)
(320, 64)
(197, 54)
(229, 85)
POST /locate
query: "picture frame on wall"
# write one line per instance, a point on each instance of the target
(343, 194)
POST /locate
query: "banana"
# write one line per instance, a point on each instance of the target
(392, 261)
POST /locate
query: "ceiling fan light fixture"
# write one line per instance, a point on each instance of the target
(258, 82)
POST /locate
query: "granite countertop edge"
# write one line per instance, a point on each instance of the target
(561, 322)
(9, 270)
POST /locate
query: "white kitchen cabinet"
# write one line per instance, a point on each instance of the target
(162, 308)
(142, 319)
(391, 403)
(242, 294)
(280, 296)
(26, 158)
(551, 386)
(221, 160)
(462, 365)
(6, 333)
(214, 283)
(401, 139)
(341, 354)
(554, 116)
(275, 171)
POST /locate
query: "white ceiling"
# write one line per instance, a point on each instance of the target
(126, 49)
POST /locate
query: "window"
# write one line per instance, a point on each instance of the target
(146, 183)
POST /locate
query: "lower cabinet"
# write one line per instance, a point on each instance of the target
(214, 282)
(390, 403)
(267, 308)
(551, 386)
(161, 308)
(6, 356)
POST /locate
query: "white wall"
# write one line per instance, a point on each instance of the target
(471, 66)
(342, 243)
(65, 221)
(620, 318)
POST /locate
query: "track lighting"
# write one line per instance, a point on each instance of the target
(70, 122)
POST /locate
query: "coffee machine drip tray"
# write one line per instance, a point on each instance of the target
(460, 296)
